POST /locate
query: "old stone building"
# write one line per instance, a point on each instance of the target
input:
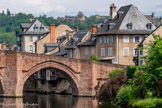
(121, 33)
(72, 48)
(32, 32)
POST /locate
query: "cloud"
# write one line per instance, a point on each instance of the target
(69, 6)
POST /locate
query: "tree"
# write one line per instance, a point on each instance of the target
(151, 73)
(3, 13)
(8, 12)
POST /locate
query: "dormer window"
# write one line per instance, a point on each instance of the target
(111, 25)
(129, 25)
(120, 13)
(41, 28)
(36, 28)
(149, 26)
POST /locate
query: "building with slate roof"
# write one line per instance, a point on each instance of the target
(121, 33)
(31, 32)
(72, 45)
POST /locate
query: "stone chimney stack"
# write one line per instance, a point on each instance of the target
(153, 15)
(52, 38)
(68, 34)
(94, 29)
(113, 11)
(3, 47)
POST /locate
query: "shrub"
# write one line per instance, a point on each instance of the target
(148, 103)
(130, 71)
(109, 89)
(115, 73)
(127, 95)
(94, 58)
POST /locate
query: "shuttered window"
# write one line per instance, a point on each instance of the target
(109, 51)
(126, 51)
(126, 39)
(102, 52)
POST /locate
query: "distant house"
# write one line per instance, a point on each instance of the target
(121, 33)
(144, 42)
(31, 32)
(72, 46)
(48, 44)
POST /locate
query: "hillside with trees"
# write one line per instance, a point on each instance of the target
(10, 24)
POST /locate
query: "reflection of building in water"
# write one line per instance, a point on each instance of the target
(51, 80)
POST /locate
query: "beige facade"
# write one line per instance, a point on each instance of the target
(28, 43)
(120, 51)
(158, 31)
(59, 31)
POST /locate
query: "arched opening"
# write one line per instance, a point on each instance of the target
(50, 76)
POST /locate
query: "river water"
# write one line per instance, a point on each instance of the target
(31, 100)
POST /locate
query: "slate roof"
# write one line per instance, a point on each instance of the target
(34, 33)
(152, 19)
(25, 25)
(77, 38)
(51, 44)
(89, 42)
(64, 52)
(118, 21)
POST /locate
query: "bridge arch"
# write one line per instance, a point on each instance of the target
(70, 74)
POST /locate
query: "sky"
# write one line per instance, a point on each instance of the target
(61, 8)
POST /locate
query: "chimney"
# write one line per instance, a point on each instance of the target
(94, 29)
(113, 12)
(77, 29)
(3, 47)
(68, 35)
(153, 15)
(52, 38)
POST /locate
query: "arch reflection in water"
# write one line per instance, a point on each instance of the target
(31, 100)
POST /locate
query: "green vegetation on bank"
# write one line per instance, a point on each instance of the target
(143, 87)
(10, 25)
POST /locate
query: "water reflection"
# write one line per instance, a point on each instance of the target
(49, 101)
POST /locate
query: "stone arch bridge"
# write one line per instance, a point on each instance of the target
(17, 67)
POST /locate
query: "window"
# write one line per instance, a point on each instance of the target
(102, 52)
(137, 39)
(110, 39)
(126, 51)
(129, 25)
(103, 39)
(126, 39)
(30, 48)
(30, 38)
(141, 52)
(135, 52)
(92, 51)
(86, 51)
(109, 51)
(149, 26)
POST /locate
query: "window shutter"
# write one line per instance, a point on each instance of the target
(133, 51)
(29, 48)
(102, 52)
(100, 40)
(140, 38)
(29, 39)
(126, 51)
(133, 39)
(109, 51)
(112, 39)
(108, 40)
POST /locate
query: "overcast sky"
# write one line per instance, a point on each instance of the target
(71, 7)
